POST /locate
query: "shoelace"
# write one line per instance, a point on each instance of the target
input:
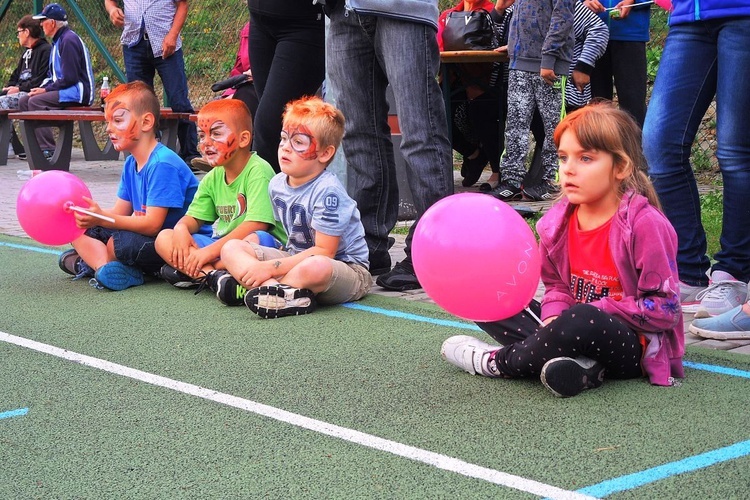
(719, 290)
(95, 284)
(84, 271)
(203, 282)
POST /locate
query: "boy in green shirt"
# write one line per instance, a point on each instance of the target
(234, 195)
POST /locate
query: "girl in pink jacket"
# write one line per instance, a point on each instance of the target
(611, 306)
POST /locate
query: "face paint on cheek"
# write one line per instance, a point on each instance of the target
(226, 149)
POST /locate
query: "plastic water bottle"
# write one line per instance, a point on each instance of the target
(24, 175)
(104, 91)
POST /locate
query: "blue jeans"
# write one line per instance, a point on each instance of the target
(700, 60)
(140, 64)
(132, 249)
(365, 54)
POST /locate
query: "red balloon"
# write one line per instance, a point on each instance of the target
(43, 205)
(476, 257)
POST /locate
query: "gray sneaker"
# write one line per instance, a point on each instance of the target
(471, 355)
(722, 295)
(689, 297)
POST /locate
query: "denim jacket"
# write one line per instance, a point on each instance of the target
(688, 11)
(419, 11)
(644, 248)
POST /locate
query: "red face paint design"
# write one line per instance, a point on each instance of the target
(122, 126)
(216, 141)
(302, 142)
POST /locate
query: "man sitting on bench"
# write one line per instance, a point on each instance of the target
(70, 81)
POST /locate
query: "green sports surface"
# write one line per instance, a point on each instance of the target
(157, 393)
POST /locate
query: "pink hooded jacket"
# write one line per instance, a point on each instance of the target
(644, 248)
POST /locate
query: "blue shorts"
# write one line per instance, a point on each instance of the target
(132, 249)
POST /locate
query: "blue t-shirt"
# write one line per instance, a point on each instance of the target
(165, 181)
(321, 204)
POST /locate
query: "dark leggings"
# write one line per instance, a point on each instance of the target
(288, 60)
(582, 330)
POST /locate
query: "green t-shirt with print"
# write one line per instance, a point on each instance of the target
(245, 199)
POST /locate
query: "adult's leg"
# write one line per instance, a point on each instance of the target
(42, 102)
(733, 150)
(582, 330)
(246, 93)
(139, 62)
(410, 57)
(172, 73)
(685, 85)
(629, 70)
(360, 83)
(601, 76)
(296, 69)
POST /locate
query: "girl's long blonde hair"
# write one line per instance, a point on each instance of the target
(601, 126)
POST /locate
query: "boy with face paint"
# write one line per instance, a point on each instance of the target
(233, 196)
(156, 188)
(325, 259)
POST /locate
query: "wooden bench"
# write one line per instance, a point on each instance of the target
(5, 133)
(64, 119)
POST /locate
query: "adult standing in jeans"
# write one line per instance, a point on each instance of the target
(287, 52)
(705, 56)
(372, 44)
(151, 43)
(624, 61)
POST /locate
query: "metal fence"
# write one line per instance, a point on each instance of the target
(210, 39)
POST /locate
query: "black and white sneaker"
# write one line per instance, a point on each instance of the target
(276, 301)
(505, 191)
(228, 289)
(567, 377)
(178, 278)
(71, 263)
(546, 191)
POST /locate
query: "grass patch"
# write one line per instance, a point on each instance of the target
(712, 210)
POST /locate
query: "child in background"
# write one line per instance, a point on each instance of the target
(540, 47)
(611, 305)
(326, 256)
(234, 194)
(155, 190)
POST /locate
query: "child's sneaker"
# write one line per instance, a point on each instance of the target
(71, 263)
(732, 325)
(689, 297)
(722, 295)
(471, 355)
(276, 301)
(118, 276)
(228, 290)
(546, 191)
(178, 278)
(566, 377)
(506, 191)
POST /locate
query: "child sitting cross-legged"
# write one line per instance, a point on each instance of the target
(234, 195)
(325, 259)
(155, 189)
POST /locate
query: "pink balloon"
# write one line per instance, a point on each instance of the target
(476, 257)
(42, 206)
(664, 4)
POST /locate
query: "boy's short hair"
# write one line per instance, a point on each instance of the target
(233, 111)
(142, 99)
(324, 120)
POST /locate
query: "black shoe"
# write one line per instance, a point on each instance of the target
(21, 156)
(400, 278)
(566, 377)
(178, 278)
(229, 291)
(472, 169)
(505, 191)
(546, 191)
(277, 301)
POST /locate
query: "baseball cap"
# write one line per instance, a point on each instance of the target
(53, 11)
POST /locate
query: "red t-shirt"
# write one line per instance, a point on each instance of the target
(593, 274)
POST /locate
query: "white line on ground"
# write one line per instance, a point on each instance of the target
(417, 454)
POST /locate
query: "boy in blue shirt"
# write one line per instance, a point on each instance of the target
(325, 259)
(156, 188)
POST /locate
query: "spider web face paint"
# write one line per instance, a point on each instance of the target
(302, 142)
